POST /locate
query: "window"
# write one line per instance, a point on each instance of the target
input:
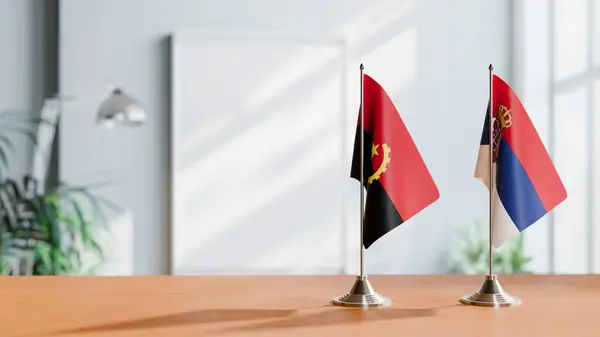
(557, 72)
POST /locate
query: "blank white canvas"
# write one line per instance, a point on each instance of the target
(258, 160)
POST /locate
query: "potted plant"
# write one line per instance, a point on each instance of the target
(471, 255)
(45, 233)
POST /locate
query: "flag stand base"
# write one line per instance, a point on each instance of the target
(361, 295)
(491, 294)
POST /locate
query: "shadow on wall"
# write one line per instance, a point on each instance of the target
(304, 235)
(429, 86)
(262, 170)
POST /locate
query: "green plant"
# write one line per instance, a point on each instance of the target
(46, 233)
(471, 256)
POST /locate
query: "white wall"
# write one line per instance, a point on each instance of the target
(22, 76)
(430, 55)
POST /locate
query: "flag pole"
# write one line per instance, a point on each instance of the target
(491, 293)
(491, 189)
(362, 169)
(362, 294)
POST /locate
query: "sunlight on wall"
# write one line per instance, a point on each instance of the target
(532, 61)
(394, 63)
(268, 180)
(571, 97)
(571, 37)
(571, 163)
(596, 34)
(256, 170)
(425, 53)
(315, 60)
(308, 60)
(269, 155)
(373, 18)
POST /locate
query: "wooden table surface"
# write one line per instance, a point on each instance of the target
(291, 306)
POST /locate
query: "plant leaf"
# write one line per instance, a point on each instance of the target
(3, 158)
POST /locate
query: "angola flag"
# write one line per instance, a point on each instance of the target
(397, 182)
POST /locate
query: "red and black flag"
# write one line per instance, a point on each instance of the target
(397, 181)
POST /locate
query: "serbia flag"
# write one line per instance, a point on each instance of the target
(526, 184)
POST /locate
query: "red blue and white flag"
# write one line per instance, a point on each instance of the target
(526, 184)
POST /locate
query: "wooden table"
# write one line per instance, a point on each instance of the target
(291, 306)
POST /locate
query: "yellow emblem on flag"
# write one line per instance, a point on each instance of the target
(504, 117)
(384, 163)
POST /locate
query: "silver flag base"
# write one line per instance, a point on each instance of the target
(491, 294)
(361, 295)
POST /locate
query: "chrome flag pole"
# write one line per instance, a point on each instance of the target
(362, 294)
(491, 293)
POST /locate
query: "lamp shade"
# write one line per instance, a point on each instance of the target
(120, 108)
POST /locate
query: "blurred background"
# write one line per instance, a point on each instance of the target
(233, 124)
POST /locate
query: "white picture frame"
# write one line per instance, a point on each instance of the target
(218, 246)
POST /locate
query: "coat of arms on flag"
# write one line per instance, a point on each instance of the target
(526, 184)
